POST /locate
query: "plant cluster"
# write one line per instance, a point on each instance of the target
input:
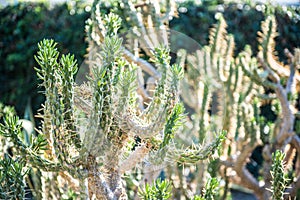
(249, 82)
(127, 114)
(95, 132)
(160, 190)
(214, 79)
(65, 24)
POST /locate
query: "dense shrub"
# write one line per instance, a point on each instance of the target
(22, 26)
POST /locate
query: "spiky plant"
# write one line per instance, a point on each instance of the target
(209, 191)
(95, 132)
(110, 115)
(244, 79)
(12, 168)
(227, 92)
(159, 190)
(279, 175)
(238, 100)
(243, 87)
(148, 20)
(127, 112)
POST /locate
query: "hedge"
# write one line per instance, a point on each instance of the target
(21, 27)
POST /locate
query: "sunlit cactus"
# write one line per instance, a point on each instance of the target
(140, 114)
(94, 132)
(244, 80)
(279, 175)
(111, 117)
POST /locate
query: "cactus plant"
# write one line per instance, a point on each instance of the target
(227, 92)
(245, 79)
(128, 114)
(95, 132)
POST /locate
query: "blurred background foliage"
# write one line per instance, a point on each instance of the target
(23, 25)
(243, 20)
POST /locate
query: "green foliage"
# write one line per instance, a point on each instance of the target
(279, 177)
(243, 19)
(12, 170)
(174, 121)
(11, 128)
(209, 191)
(113, 23)
(59, 101)
(6, 111)
(37, 21)
(196, 153)
(22, 26)
(160, 190)
(12, 183)
(100, 129)
(111, 117)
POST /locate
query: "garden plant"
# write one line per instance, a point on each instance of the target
(134, 115)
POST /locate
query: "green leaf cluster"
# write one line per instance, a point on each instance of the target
(12, 174)
(209, 191)
(160, 190)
